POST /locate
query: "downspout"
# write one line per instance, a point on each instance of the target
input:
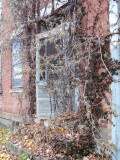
(115, 55)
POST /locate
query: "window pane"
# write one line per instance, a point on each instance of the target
(17, 75)
(51, 50)
(42, 63)
(16, 47)
(17, 67)
(17, 83)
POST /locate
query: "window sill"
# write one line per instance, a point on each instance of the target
(16, 90)
(41, 83)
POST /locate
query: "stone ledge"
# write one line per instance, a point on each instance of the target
(13, 117)
(5, 123)
(17, 150)
(10, 119)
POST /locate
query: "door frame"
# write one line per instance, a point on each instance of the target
(55, 32)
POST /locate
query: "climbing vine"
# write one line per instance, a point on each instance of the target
(74, 56)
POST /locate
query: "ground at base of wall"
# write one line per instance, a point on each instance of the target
(52, 142)
(4, 154)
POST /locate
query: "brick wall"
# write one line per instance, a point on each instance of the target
(14, 101)
(96, 22)
(18, 103)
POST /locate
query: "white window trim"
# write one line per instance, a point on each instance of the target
(16, 90)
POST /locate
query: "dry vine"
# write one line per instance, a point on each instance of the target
(78, 60)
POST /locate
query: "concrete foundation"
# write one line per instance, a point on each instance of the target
(10, 120)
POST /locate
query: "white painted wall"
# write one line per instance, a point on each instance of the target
(115, 54)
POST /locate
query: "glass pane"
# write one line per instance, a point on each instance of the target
(42, 49)
(51, 50)
(17, 64)
(42, 63)
(17, 83)
(48, 48)
(17, 72)
(17, 67)
(16, 47)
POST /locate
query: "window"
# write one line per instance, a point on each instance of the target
(55, 53)
(47, 49)
(17, 75)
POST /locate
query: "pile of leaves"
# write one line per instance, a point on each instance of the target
(63, 138)
(4, 154)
